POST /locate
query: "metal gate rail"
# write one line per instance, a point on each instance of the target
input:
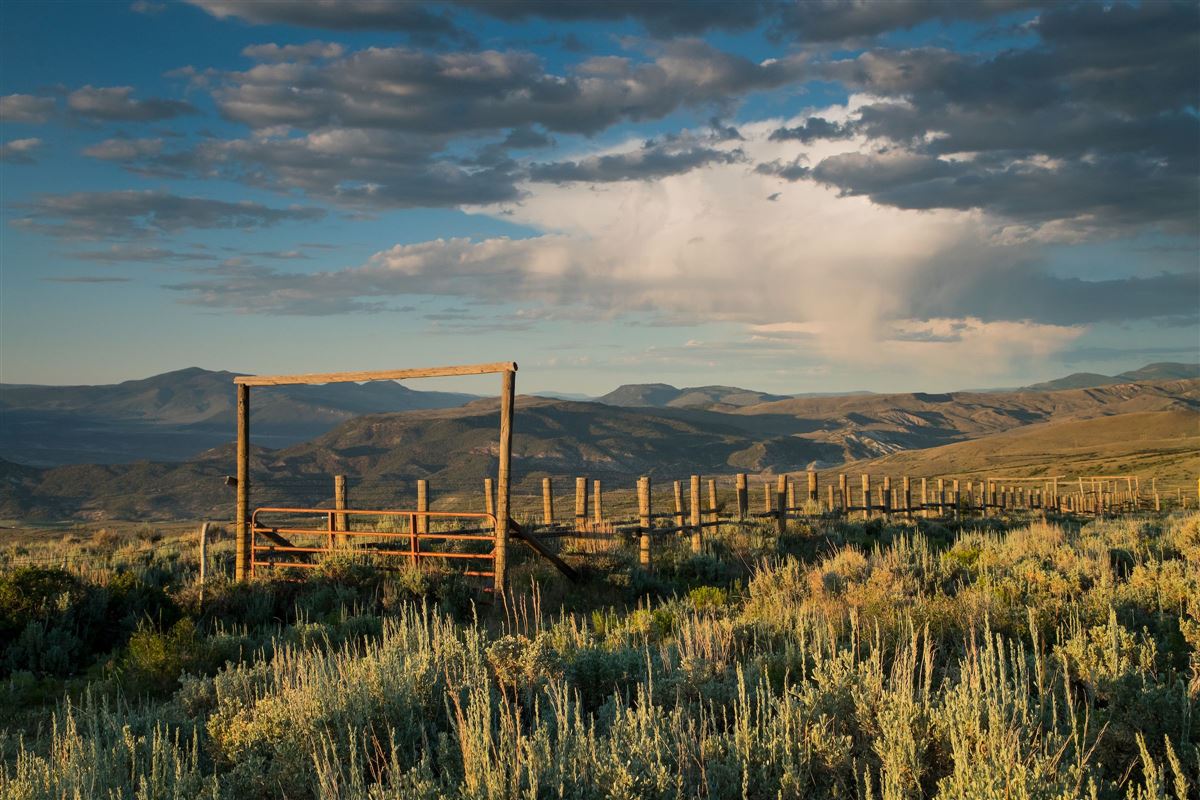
(339, 537)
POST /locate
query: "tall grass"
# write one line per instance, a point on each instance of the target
(1041, 662)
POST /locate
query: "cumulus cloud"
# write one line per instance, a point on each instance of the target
(117, 104)
(20, 151)
(310, 51)
(654, 159)
(25, 108)
(123, 214)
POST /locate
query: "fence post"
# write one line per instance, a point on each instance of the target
(842, 492)
(957, 499)
(242, 511)
(712, 500)
(340, 503)
(547, 501)
(925, 498)
(832, 507)
(866, 493)
(508, 390)
(203, 553)
(743, 496)
(767, 497)
(886, 493)
(813, 496)
(644, 521)
(781, 491)
(679, 506)
(580, 503)
(597, 502)
(906, 486)
(489, 497)
(694, 502)
(422, 505)
(791, 496)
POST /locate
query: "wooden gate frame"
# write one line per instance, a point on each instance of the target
(508, 381)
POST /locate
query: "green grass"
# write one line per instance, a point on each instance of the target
(998, 659)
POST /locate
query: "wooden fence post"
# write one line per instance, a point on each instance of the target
(597, 503)
(679, 505)
(781, 491)
(831, 507)
(489, 496)
(645, 520)
(842, 492)
(581, 503)
(547, 501)
(925, 498)
(694, 503)
(791, 496)
(340, 502)
(712, 500)
(422, 505)
(243, 554)
(508, 390)
(957, 500)
(813, 496)
(907, 490)
(886, 497)
(866, 494)
(743, 496)
(203, 553)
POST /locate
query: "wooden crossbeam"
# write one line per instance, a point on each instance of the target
(379, 375)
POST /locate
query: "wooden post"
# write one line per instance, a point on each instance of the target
(829, 504)
(957, 499)
(694, 503)
(866, 493)
(843, 493)
(203, 552)
(886, 497)
(813, 496)
(547, 501)
(580, 503)
(339, 502)
(489, 496)
(644, 521)
(597, 503)
(743, 496)
(1157, 503)
(508, 391)
(244, 553)
(422, 505)
(679, 505)
(924, 497)
(907, 489)
(791, 496)
(781, 488)
(712, 499)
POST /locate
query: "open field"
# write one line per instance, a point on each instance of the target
(1002, 658)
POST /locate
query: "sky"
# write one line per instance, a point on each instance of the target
(791, 197)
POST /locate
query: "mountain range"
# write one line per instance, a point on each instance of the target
(710, 430)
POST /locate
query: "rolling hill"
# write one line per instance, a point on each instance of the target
(1161, 371)
(662, 395)
(175, 415)
(456, 448)
(1163, 444)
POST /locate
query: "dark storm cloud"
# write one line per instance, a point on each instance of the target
(416, 19)
(653, 160)
(462, 92)
(790, 171)
(122, 214)
(116, 104)
(1029, 292)
(814, 128)
(1094, 125)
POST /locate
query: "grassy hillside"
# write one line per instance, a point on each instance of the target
(1163, 444)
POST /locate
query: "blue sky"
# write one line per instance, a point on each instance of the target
(813, 197)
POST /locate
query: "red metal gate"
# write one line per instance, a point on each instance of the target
(337, 535)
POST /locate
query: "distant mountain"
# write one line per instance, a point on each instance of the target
(662, 395)
(456, 448)
(1162, 371)
(178, 414)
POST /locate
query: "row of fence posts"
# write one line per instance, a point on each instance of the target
(937, 497)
